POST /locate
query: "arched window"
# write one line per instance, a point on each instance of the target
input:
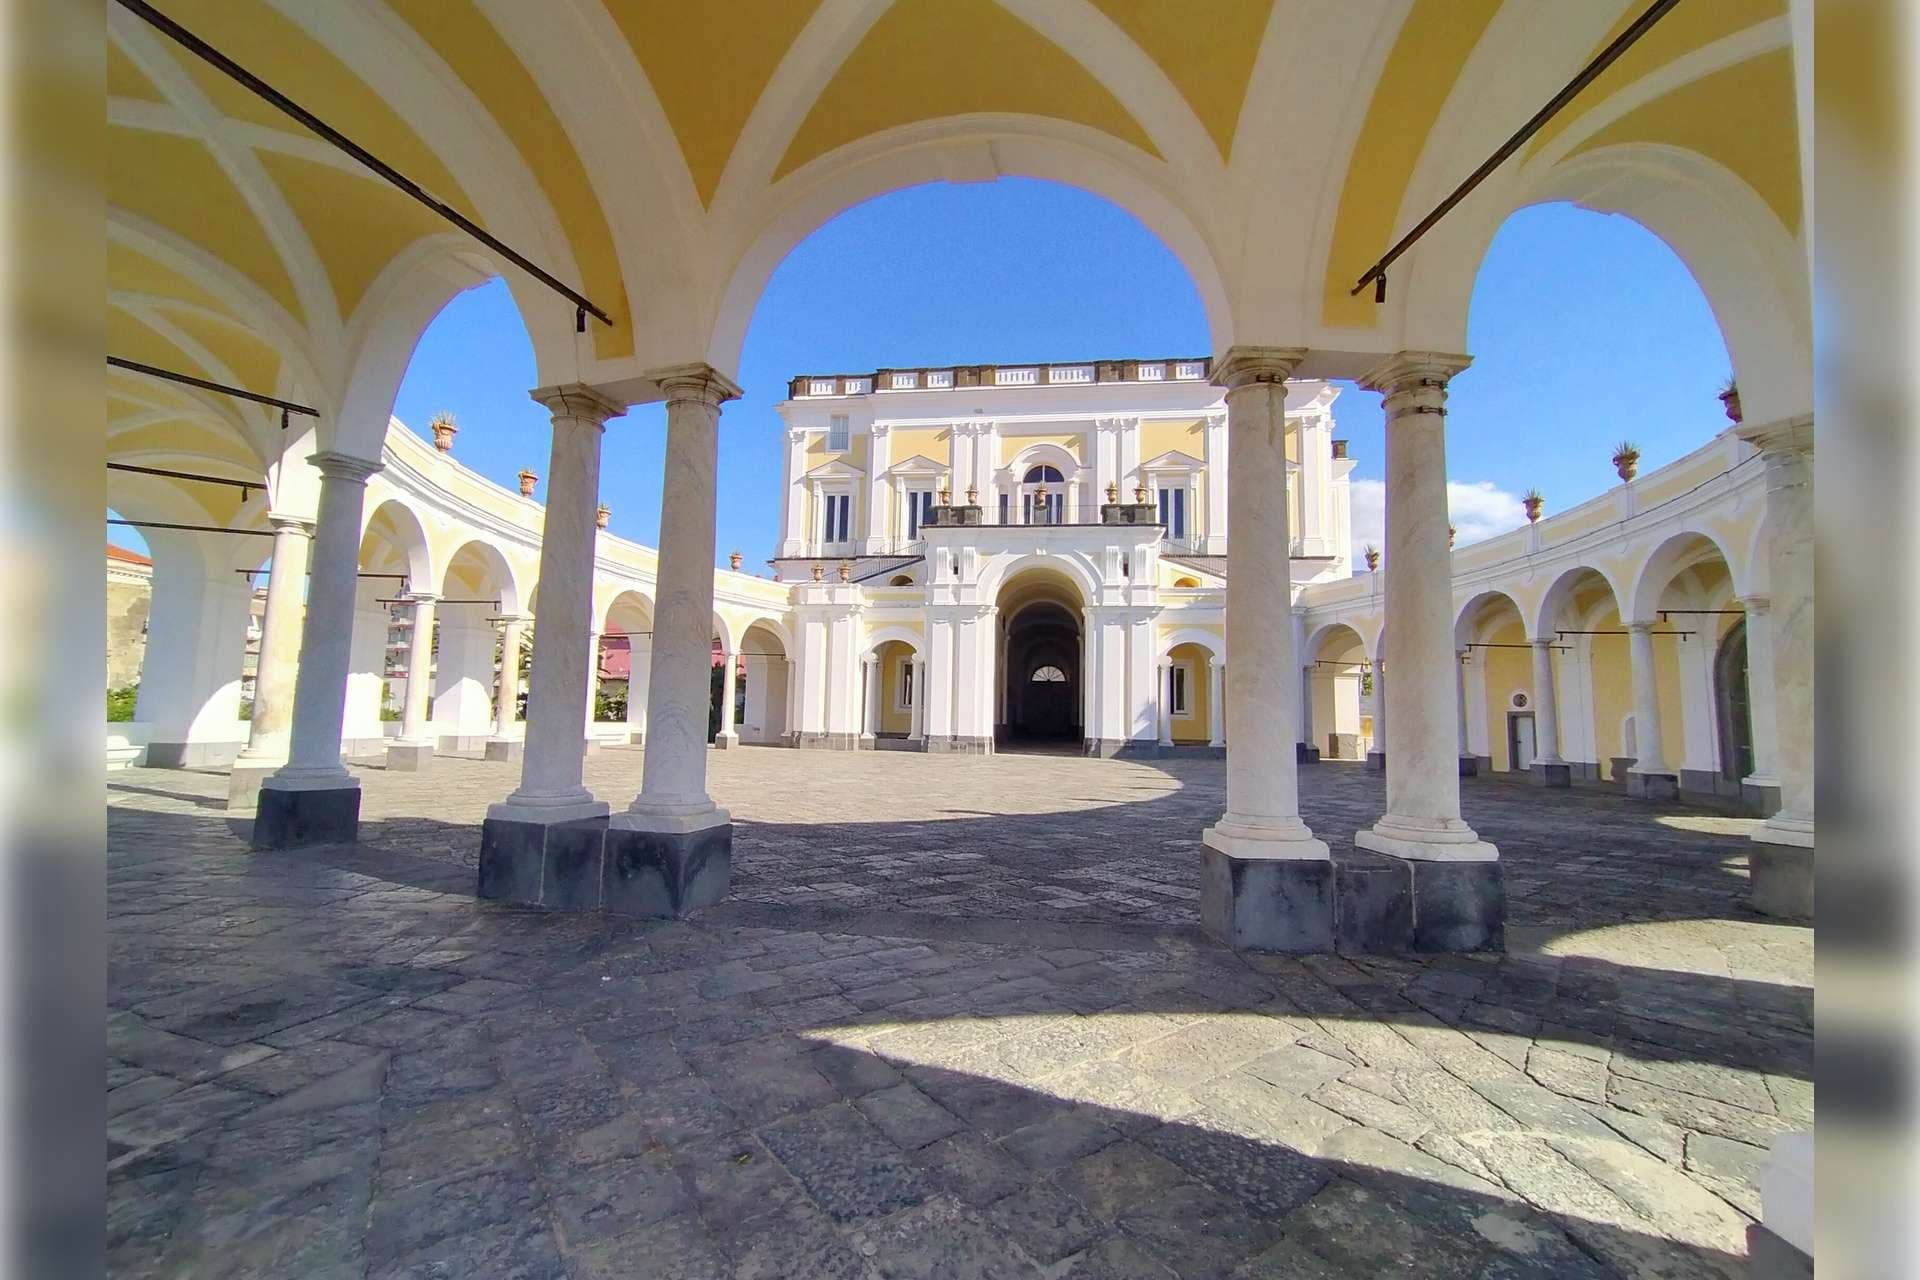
(1044, 474)
(901, 580)
(1049, 675)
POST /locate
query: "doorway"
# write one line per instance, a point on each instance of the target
(1520, 740)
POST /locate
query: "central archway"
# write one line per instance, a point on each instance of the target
(1040, 692)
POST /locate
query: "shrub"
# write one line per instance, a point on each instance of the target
(121, 704)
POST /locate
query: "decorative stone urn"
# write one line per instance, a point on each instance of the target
(846, 571)
(1626, 460)
(1533, 501)
(946, 492)
(1140, 494)
(601, 516)
(973, 495)
(733, 560)
(1113, 491)
(1372, 555)
(1452, 533)
(444, 431)
(528, 479)
(819, 572)
(1730, 399)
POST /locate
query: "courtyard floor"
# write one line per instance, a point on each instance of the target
(956, 1019)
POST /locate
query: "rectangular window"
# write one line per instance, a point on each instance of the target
(1179, 677)
(838, 508)
(1005, 500)
(904, 684)
(919, 511)
(838, 434)
(1173, 513)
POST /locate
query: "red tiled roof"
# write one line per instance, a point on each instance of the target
(121, 553)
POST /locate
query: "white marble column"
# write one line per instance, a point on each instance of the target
(729, 734)
(1546, 706)
(870, 674)
(1460, 659)
(1787, 450)
(1213, 541)
(879, 533)
(1760, 693)
(1216, 703)
(1306, 707)
(1262, 818)
(1379, 708)
(673, 788)
(506, 708)
(792, 726)
(415, 722)
(1165, 670)
(1649, 741)
(326, 635)
(918, 674)
(279, 663)
(794, 541)
(1422, 821)
(552, 766)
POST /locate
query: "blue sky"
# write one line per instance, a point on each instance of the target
(1584, 329)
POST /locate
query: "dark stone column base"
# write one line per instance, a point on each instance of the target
(1771, 1258)
(1469, 766)
(1194, 751)
(960, 745)
(1376, 762)
(1103, 748)
(899, 744)
(1618, 767)
(828, 742)
(296, 819)
(1653, 786)
(1584, 770)
(1550, 775)
(1782, 879)
(1267, 904)
(1389, 904)
(721, 742)
(664, 874)
(1700, 782)
(555, 865)
(1760, 801)
(243, 785)
(1305, 754)
(506, 750)
(409, 757)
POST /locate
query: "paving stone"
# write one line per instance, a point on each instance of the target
(1197, 1231)
(1061, 1138)
(942, 1238)
(1045, 1222)
(1116, 1179)
(604, 1200)
(849, 1168)
(734, 1178)
(852, 1071)
(971, 1168)
(908, 1116)
(675, 1249)
(793, 1240)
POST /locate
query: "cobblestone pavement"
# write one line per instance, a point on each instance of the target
(956, 1020)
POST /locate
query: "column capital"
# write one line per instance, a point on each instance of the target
(697, 381)
(508, 619)
(883, 428)
(1641, 626)
(422, 597)
(344, 466)
(1544, 642)
(1245, 366)
(1756, 604)
(1788, 435)
(284, 522)
(1405, 370)
(869, 659)
(578, 401)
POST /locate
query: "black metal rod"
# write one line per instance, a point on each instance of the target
(1588, 74)
(1623, 631)
(1561, 647)
(1704, 613)
(411, 600)
(194, 528)
(153, 371)
(227, 66)
(244, 486)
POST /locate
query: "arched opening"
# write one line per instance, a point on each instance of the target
(1496, 670)
(1336, 695)
(893, 714)
(1686, 590)
(1732, 711)
(476, 591)
(393, 564)
(1042, 673)
(765, 706)
(1195, 714)
(1593, 675)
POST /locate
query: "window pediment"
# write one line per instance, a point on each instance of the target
(837, 469)
(1174, 460)
(918, 465)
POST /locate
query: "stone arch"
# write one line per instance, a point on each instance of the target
(771, 626)
(495, 565)
(1470, 614)
(895, 635)
(1073, 565)
(1215, 645)
(1560, 594)
(396, 524)
(1675, 553)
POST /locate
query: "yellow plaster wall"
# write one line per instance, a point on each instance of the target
(932, 442)
(1506, 670)
(1192, 727)
(1158, 437)
(1208, 53)
(893, 720)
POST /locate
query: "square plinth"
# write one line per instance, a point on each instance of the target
(666, 873)
(1376, 762)
(296, 819)
(1469, 766)
(409, 757)
(1782, 879)
(555, 865)
(1653, 786)
(1303, 753)
(1542, 774)
(505, 750)
(1373, 903)
(1458, 906)
(1267, 904)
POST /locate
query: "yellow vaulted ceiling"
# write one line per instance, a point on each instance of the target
(176, 184)
(1433, 45)
(1208, 51)
(132, 272)
(353, 250)
(926, 59)
(494, 73)
(1742, 117)
(250, 361)
(708, 99)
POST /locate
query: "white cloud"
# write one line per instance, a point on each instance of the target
(1479, 509)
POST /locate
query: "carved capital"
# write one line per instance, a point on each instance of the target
(1245, 366)
(344, 466)
(697, 382)
(579, 402)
